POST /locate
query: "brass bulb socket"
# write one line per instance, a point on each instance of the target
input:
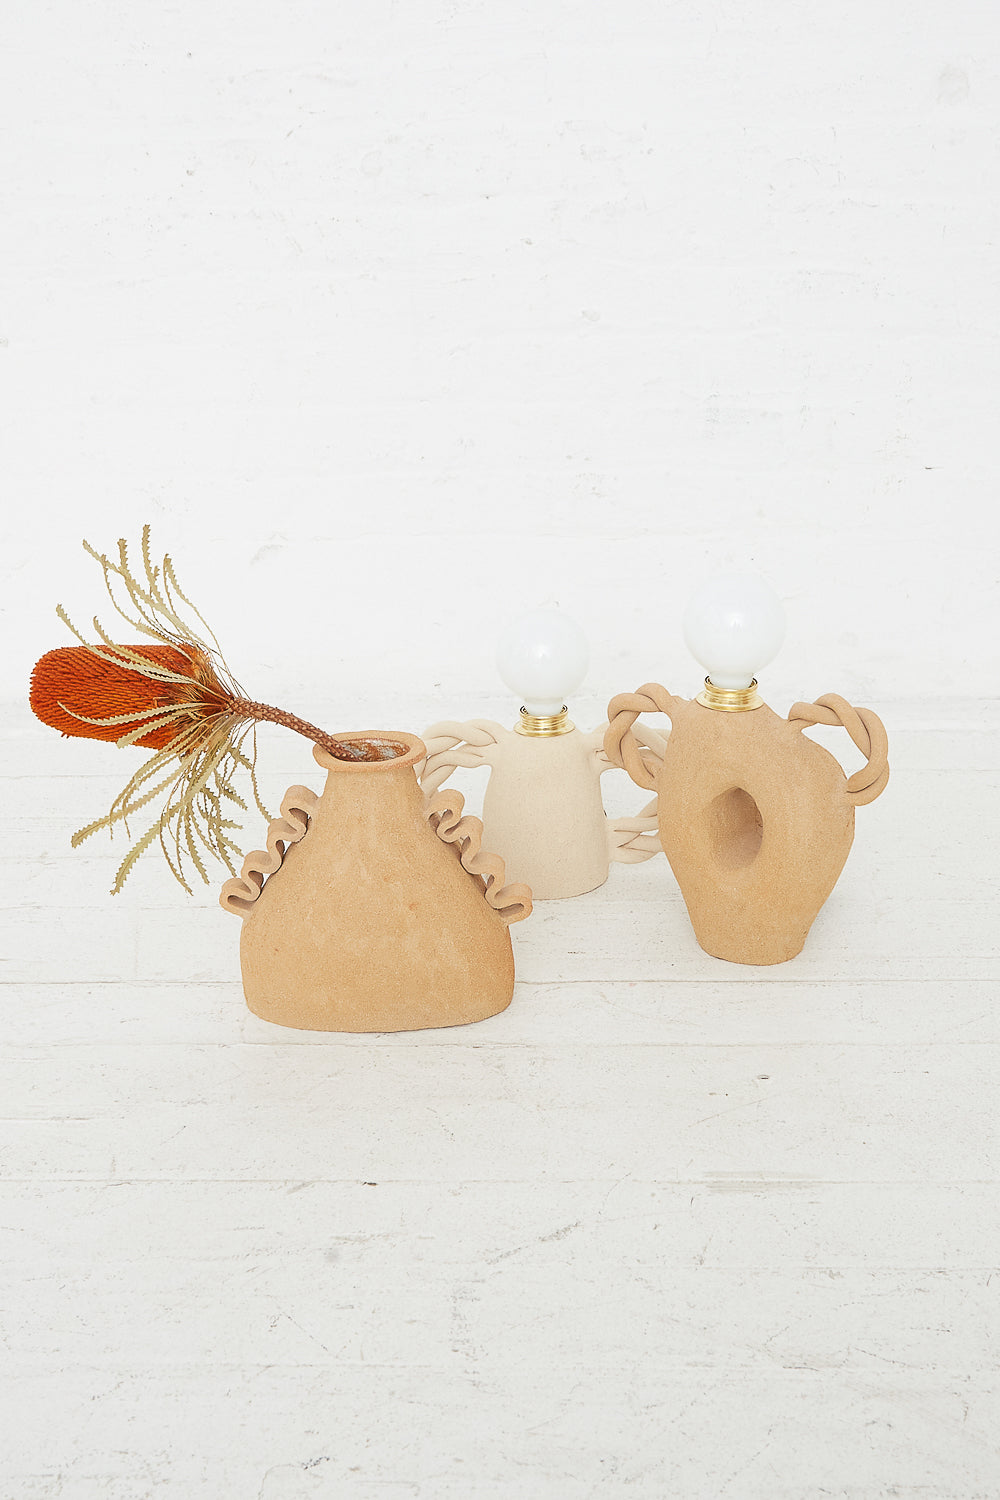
(544, 726)
(730, 700)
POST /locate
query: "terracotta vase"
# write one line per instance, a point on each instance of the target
(756, 820)
(372, 910)
(542, 808)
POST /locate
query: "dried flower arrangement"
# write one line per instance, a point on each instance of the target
(177, 698)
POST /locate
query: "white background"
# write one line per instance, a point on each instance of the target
(394, 319)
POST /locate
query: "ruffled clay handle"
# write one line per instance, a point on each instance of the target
(239, 894)
(866, 730)
(512, 903)
(621, 745)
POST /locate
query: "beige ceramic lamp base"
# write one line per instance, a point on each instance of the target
(371, 910)
(542, 810)
(755, 819)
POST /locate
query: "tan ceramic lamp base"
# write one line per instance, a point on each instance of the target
(371, 910)
(756, 820)
(542, 810)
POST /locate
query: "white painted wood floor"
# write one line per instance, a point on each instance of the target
(666, 1228)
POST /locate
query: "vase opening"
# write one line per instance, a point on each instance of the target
(372, 747)
(367, 750)
(736, 828)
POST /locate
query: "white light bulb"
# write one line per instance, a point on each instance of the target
(543, 657)
(734, 625)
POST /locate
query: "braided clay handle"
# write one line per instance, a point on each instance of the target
(451, 744)
(621, 745)
(866, 730)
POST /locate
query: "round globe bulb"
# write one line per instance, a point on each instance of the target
(543, 657)
(734, 625)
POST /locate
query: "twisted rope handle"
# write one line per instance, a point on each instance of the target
(512, 903)
(443, 756)
(297, 807)
(866, 730)
(631, 840)
(621, 745)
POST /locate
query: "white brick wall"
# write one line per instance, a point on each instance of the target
(393, 318)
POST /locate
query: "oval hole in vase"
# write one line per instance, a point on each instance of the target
(735, 828)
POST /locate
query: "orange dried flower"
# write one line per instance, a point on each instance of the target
(177, 698)
(103, 697)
